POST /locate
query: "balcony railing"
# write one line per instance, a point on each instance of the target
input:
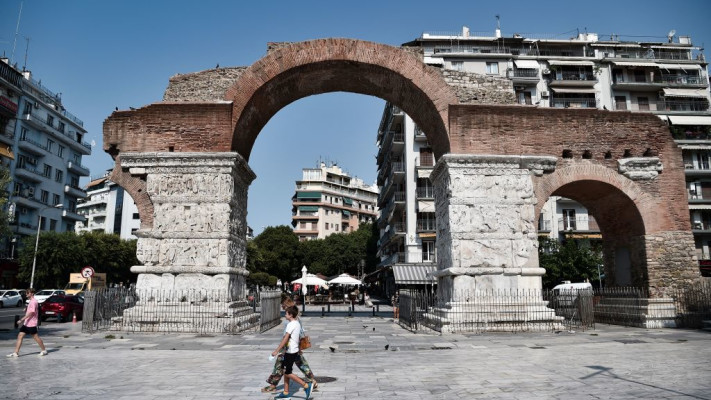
(425, 160)
(544, 225)
(399, 197)
(425, 192)
(523, 73)
(574, 76)
(574, 102)
(426, 225)
(655, 55)
(579, 223)
(684, 105)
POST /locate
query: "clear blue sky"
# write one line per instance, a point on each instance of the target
(106, 54)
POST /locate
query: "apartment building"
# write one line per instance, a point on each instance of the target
(108, 208)
(43, 146)
(667, 78)
(407, 218)
(328, 200)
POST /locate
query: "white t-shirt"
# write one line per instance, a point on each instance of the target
(293, 328)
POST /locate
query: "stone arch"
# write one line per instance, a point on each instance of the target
(623, 211)
(136, 187)
(326, 65)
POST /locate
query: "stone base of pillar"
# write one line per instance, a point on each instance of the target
(232, 286)
(494, 314)
(158, 315)
(642, 313)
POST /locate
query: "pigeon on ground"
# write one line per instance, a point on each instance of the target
(387, 346)
(333, 349)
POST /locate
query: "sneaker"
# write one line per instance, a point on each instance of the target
(283, 395)
(13, 355)
(43, 353)
(308, 390)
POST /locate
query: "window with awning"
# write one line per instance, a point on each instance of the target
(689, 120)
(308, 208)
(527, 64)
(347, 201)
(573, 90)
(570, 62)
(308, 195)
(346, 213)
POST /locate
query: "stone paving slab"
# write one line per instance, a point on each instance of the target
(607, 363)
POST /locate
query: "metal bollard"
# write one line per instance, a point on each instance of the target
(329, 308)
(323, 309)
(373, 311)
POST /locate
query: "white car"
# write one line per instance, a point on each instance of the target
(43, 295)
(10, 298)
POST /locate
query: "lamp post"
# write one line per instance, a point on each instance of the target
(39, 225)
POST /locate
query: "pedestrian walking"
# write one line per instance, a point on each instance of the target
(396, 304)
(29, 325)
(290, 342)
(278, 370)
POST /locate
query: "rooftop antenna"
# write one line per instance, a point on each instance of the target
(670, 35)
(27, 48)
(17, 30)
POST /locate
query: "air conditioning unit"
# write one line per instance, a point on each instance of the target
(546, 71)
(544, 93)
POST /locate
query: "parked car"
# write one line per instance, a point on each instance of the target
(22, 293)
(62, 307)
(10, 298)
(43, 295)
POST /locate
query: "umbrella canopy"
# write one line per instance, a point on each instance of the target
(311, 280)
(344, 279)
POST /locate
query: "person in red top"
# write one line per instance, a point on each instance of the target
(29, 325)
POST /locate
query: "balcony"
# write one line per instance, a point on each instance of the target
(420, 135)
(7, 137)
(398, 227)
(75, 191)
(520, 74)
(574, 102)
(697, 105)
(27, 200)
(25, 229)
(77, 168)
(426, 225)
(32, 147)
(72, 215)
(72, 138)
(30, 173)
(578, 224)
(426, 192)
(576, 79)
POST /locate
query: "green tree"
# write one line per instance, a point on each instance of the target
(572, 260)
(280, 254)
(60, 254)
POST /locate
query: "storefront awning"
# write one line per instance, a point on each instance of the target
(528, 64)
(685, 92)
(414, 274)
(5, 151)
(699, 206)
(573, 90)
(308, 195)
(689, 120)
(635, 64)
(571, 62)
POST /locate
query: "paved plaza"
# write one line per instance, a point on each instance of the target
(364, 357)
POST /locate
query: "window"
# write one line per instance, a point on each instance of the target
(44, 198)
(52, 224)
(47, 171)
(23, 134)
(55, 199)
(569, 219)
(643, 103)
(492, 68)
(135, 216)
(60, 126)
(59, 176)
(428, 251)
(50, 120)
(28, 108)
(620, 103)
(60, 151)
(50, 145)
(458, 65)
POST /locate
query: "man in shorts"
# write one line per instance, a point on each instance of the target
(290, 341)
(29, 325)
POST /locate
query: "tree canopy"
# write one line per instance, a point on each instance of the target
(571, 260)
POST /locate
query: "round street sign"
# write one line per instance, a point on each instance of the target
(87, 272)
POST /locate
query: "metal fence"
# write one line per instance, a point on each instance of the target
(693, 305)
(269, 309)
(626, 306)
(496, 311)
(179, 311)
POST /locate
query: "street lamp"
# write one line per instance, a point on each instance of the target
(39, 225)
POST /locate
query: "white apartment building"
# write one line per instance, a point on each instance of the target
(43, 145)
(665, 78)
(328, 200)
(108, 208)
(407, 215)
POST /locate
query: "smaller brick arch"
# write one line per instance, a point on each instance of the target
(328, 65)
(136, 187)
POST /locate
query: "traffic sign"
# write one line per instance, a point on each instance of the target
(87, 272)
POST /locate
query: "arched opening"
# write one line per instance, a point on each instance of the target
(608, 221)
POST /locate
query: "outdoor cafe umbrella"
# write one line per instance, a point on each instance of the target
(344, 279)
(311, 280)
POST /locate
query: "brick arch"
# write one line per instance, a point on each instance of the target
(594, 185)
(329, 65)
(136, 187)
